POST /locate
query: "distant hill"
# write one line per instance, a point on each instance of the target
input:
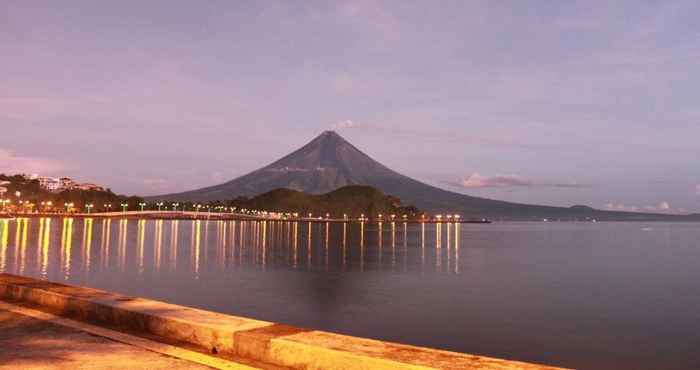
(329, 162)
(353, 200)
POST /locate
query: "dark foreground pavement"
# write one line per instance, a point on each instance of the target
(28, 343)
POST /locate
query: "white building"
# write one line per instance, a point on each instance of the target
(50, 183)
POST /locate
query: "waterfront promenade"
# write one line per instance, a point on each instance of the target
(53, 324)
(196, 215)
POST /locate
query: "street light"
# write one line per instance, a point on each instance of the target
(159, 204)
(89, 207)
(108, 206)
(175, 206)
(142, 204)
(124, 206)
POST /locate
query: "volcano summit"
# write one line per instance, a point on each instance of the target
(330, 162)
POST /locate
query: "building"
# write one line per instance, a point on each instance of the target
(50, 183)
(88, 187)
(67, 183)
(58, 184)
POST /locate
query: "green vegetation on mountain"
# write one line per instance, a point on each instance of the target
(353, 200)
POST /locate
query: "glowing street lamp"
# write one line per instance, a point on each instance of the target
(142, 204)
(124, 206)
(89, 207)
(68, 206)
(159, 204)
(175, 205)
(108, 206)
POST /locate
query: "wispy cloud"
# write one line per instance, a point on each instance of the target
(11, 163)
(477, 181)
(661, 207)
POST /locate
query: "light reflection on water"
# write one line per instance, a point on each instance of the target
(605, 295)
(214, 245)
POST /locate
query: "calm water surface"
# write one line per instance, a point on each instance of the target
(585, 295)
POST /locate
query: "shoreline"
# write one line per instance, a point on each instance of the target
(203, 216)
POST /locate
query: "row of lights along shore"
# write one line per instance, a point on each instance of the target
(69, 207)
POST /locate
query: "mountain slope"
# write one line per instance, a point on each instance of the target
(330, 162)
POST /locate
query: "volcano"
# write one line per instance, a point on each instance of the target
(330, 162)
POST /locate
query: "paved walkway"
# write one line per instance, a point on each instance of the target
(29, 343)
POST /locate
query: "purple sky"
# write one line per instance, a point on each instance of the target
(552, 102)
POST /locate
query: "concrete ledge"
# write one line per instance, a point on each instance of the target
(258, 340)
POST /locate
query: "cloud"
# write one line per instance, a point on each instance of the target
(341, 125)
(661, 207)
(11, 163)
(477, 181)
(350, 124)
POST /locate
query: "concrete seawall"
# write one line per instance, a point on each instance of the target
(268, 342)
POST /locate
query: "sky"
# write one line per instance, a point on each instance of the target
(547, 102)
